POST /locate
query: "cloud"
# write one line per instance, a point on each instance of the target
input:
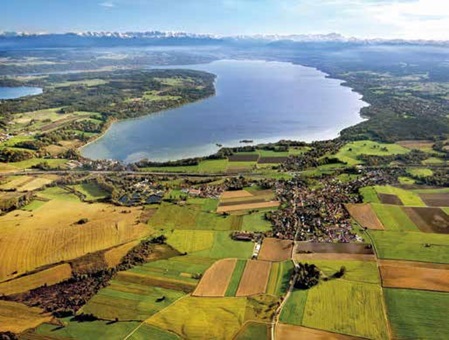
(107, 4)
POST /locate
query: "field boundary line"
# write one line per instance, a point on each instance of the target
(384, 303)
(144, 321)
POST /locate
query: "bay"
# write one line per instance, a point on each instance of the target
(18, 92)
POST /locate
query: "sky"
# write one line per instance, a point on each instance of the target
(408, 19)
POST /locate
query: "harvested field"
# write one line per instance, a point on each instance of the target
(436, 200)
(16, 182)
(333, 256)
(255, 278)
(162, 282)
(364, 215)
(389, 199)
(228, 203)
(415, 275)
(237, 170)
(244, 158)
(17, 318)
(250, 206)
(290, 332)
(429, 220)
(36, 183)
(276, 250)
(114, 256)
(416, 144)
(235, 194)
(336, 248)
(47, 236)
(271, 160)
(216, 279)
(48, 277)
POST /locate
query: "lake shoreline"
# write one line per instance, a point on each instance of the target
(212, 147)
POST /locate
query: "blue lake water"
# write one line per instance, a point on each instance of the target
(17, 92)
(257, 100)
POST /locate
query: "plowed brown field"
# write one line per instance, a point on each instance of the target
(414, 275)
(249, 206)
(365, 216)
(216, 279)
(274, 249)
(235, 194)
(255, 278)
(290, 332)
(429, 220)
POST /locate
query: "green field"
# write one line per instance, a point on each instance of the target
(236, 277)
(393, 217)
(349, 153)
(224, 247)
(92, 191)
(411, 246)
(190, 240)
(357, 271)
(369, 195)
(416, 314)
(293, 311)
(56, 193)
(53, 163)
(213, 166)
(88, 330)
(351, 308)
(407, 197)
(145, 332)
(33, 205)
(256, 222)
(178, 268)
(420, 172)
(129, 301)
(193, 216)
(279, 280)
(208, 318)
(253, 330)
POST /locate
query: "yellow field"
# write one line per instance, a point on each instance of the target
(49, 276)
(30, 240)
(190, 240)
(15, 182)
(208, 318)
(36, 183)
(16, 318)
(115, 255)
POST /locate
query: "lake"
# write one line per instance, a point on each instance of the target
(256, 100)
(18, 92)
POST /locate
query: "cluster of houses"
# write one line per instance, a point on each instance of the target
(142, 193)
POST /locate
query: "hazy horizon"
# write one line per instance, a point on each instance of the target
(388, 19)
